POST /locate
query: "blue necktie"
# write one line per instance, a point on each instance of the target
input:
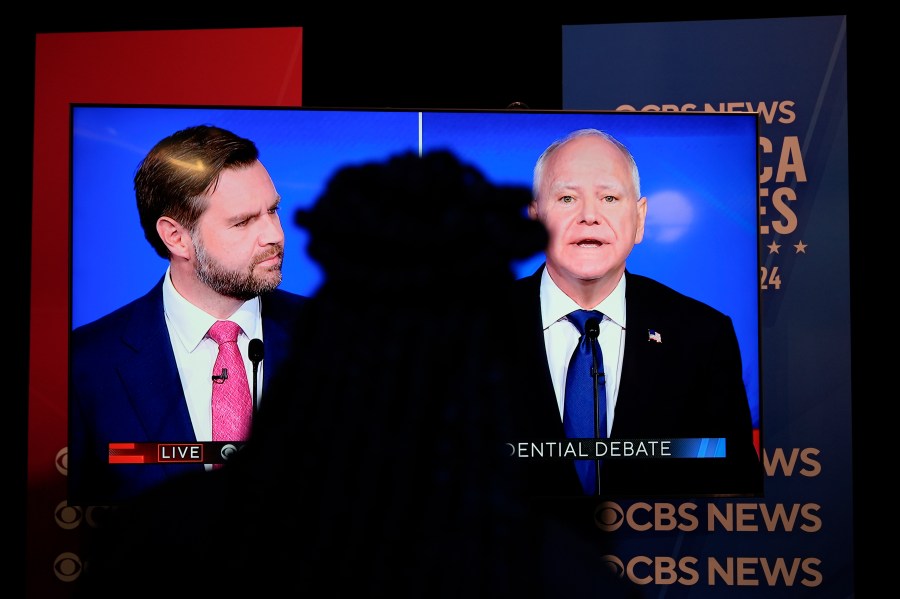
(584, 411)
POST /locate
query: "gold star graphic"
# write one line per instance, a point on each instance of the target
(773, 248)
(800, 247)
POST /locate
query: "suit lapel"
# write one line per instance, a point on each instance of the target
(640, 364)
(150, 375)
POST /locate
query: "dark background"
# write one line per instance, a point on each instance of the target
(450, 56)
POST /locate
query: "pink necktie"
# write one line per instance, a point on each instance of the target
(232, 405)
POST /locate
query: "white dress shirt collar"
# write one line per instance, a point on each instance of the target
(189, 324)
(555, 304)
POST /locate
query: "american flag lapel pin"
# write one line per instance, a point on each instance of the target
(654, 336)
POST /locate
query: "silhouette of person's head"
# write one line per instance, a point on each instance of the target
(397, 406)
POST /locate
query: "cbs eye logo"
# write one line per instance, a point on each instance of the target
(67, 566)
(615, 565)
(609, 516)
(62, 461)
(67, 516)
(227, 451)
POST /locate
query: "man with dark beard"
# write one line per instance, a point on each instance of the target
(143, 373)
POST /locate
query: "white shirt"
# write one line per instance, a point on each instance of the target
(561, 338)
(195, 353)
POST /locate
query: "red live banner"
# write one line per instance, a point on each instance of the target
(210, 452)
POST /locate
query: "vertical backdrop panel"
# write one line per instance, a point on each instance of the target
(798, 541)
(215, 67)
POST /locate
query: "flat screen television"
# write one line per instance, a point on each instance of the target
(699, 171)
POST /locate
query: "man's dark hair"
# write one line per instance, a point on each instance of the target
(180, 170)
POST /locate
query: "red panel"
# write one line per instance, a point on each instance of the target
(234, 67)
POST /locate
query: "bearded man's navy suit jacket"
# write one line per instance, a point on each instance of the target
(124, 387)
